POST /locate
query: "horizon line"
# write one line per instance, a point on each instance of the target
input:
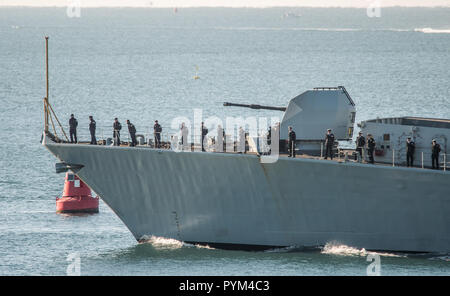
(218, 6)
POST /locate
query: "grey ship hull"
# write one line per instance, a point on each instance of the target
(233, 199)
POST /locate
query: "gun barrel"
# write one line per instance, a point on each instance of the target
(254, 106)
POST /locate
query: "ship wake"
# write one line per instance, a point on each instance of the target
(334, 248)
(432, 31)
(169, 243)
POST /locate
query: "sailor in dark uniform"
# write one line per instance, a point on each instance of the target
(410, 147)
(360, 143)
(132, 131)
(291, 142)
(116, 134)
(329, 142)
(73, 123)
(92, 127)
(435, 149)
(204, 132)
(157, 129)
(371, 148)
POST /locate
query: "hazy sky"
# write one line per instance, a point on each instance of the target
(227, 3)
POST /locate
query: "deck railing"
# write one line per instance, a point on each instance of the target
(145, 137)
(425, 160)
(103, 133)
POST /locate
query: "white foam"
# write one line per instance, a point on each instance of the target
(393, 30)
(161, 242)
(200, 246)
(432, 31)
(169, 243)
(335, 248)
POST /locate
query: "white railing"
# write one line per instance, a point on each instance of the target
(426, 160)
(443, 160)
(102, 133)
(169, 136)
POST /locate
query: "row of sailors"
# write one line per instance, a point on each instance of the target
(361, 145)
(361, 142)
(410, 149)
(117, 127)
(435, 150)
(220, 137)
(157, 129)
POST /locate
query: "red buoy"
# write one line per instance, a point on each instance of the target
(76, 197)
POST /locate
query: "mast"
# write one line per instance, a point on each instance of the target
(47, 107)
(46, 111)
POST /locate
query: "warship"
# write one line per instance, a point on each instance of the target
(237, 201)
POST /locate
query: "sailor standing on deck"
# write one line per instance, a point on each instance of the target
(360, 143)
(132, 131)
(157, 129)
(116, 133)
(92, 127)
(204, 132)
(371, 147)
(291, 142)
(410, 147)
(329, 142)
(435, 149)
(73, 123)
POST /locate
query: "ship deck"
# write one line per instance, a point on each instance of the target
(340, 155)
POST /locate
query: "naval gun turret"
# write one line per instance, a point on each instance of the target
(254, 106)
(313, 112)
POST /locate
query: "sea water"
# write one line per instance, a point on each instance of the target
(139, 64)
